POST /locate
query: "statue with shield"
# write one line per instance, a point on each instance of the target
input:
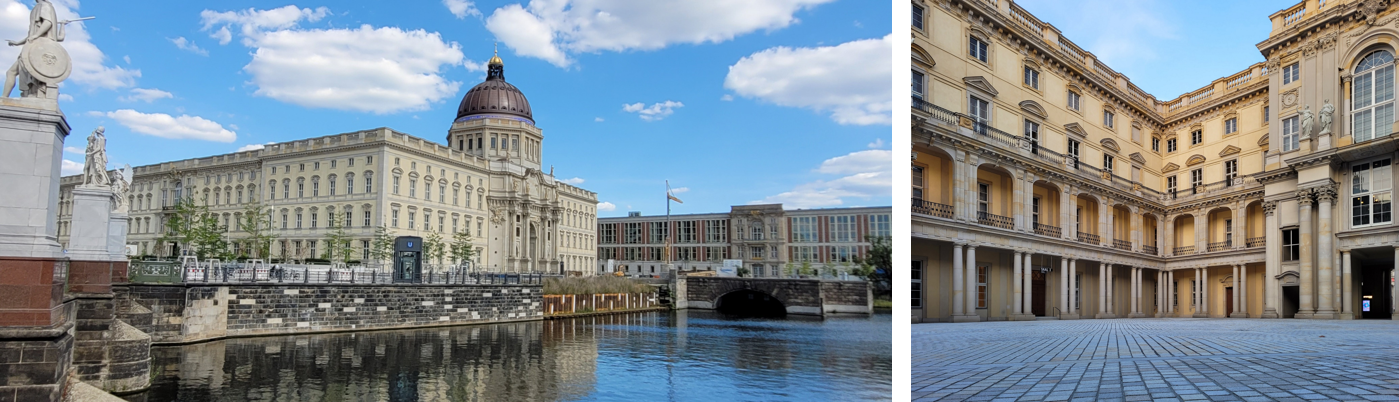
(42, 63)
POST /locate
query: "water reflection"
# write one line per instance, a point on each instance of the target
(644, 356)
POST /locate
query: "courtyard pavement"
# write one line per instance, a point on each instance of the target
(1157, 360)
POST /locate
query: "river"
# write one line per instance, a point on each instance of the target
(680, 356)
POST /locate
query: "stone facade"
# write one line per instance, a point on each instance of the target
(799, 296)
(1047, 184)
(190, 313)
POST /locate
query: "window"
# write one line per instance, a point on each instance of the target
(1265, 115)
(1290, 140)
(1231, 170)
(332, 163)
(368, 183)
(1291, 73)
(1035, 210)
(1370, 193)
(427, 191)
(879, 225)
(284, 219)
(1231, 125)
(804, 229)
(298, 219)
(1032, 77)
(367, 218)
(918, 84)
(1372, 96)
(1108, 118)
(1229, 231)
(412, 188)
(978, 49)
(1073, 151)
(1073, 100)
(332, 186)
(352, 162)
(315, 166)
(315, 187)
(1032, 132)
(412, 219)
(350, 183)
(1291, 248)
(842, 228)
(1155, 144)
(917, 182)
(1197, 178)
(313, 218)
(981, 273)
(300, 189)
(1171, 145)
(983, 199)
(1170, 184)
(442, 193)
(716, 231)
(1107, 163)
(393, 217)
(918, 17)
(363, 244)
(980, 111)
(1196, 137)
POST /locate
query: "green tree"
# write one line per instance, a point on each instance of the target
(381, 246)
(192, 227)
(434, 248)
(879, 257)
(461, 247)
(742, 272)
(805, 268)
(257, 223)
(337, 241)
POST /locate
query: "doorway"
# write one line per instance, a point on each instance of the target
(1373, 287)
(1037, 295)
(1228, 301)
(1290, 298)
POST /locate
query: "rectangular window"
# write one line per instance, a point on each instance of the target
(1231, 125)
(982, 271)
(1372, 102)
(633, 233)
(804, 229)
(1196, 137)
(363, 244)
(1290, 129)
(1370, 193)
(1155, 144)
(1035, 210)
(977, 49)
(842, 228)
(1171, 145)
(1229, 231)
(879, 225)
(412, 220)
(1032, 132)
(298, 219)
(332, 190)
(412, 188)
(395, 185)
(1073, 100)
(368, 184)
(393, 217)
(367, 218)
(1197, 178)
(1107, 163)
(1231, 170)
(1108, 118)
(918, 17)
(918, 84)
(983, 198)
(980, 110)
(1032, 78)
(1170, 184)
(716, 231)
(1291, 247)
(1073, 151)
(441, 193)
(1291, 73)
(917, 175)
(1265, 115)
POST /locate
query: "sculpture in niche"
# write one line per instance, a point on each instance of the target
(120, 188)
(1326, 111)
(42, 63)
(1306, 122)
(95, 167)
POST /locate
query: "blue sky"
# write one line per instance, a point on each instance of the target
(1166, 48)
(733, 101)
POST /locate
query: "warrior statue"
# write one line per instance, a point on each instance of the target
(95, 167)
(1306, 123)
(42, 62)
(120, 188)
(1326, 111)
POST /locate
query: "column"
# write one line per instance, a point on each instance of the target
(1169, 243)
(1157, 300)
(1136, 291)
(1102, 287)
(1205, 290)
(1111, 311)
(1394, 314)
(1161, 237)
(1243, 289)
(958, 294)
(1029, 202)
(1272, 263)
(1346, 307)
(1063, 287)
(1073, 287)
(1197, 295)
(1028, 290)
(971, 279)
(1016, 285)
(1325, 277)
(1235, 291)
(1305, 308)
(1170, 293)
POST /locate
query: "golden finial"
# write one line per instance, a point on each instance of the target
(495, 59)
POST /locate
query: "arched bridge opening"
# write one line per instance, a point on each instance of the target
(750, 303)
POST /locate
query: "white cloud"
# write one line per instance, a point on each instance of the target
(166, 126)
(679, 190)
(65, 97)
(223, 35)
(379, 70)
(186, 44)
(71, 168)
(127, 59)
(461, 8)
(878, 143)
(654, 112)
(574, 181)
(474, 66)
(606, 206)
(552, 29)
(597, 119)
(75, 150)
(250, 147)
(863, 175)
(88, 68)
(850, 81)
(145, 95)
(727, 98)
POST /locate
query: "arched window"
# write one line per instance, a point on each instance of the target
(1372, 96)
(179, 189)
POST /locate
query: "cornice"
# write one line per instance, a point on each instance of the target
(1250, 195)
(1275, 175)
(1306, 29)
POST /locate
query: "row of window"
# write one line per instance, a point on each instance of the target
(301, 167)
(332, 186)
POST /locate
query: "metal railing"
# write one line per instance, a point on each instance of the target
(1151, 250)
(989, 219)
(144, 272)
(1255, 242)
(1046, 230)
(1121, 244)
(1183, 250)
(926, 207)
(1218, 246)
(1089, 238)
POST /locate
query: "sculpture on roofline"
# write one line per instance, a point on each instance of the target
(1326, 111)
(1306, 123)
(42, 63)
(95, 166)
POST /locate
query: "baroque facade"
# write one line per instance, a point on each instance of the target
(487, 181)
(1045, 184)
(767, 238)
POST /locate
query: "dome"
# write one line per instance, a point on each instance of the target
(494, 98)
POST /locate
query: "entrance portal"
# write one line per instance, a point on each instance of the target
(1290, 298)
(1037, 295)
(1373, 287)
(1228, 301)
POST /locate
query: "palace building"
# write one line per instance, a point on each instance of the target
(487, 180)
(1046, 184)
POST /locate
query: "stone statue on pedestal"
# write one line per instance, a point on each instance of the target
(1306, 123)
(42, 63)
(95, 168)
(120, 188)
(1326, 111)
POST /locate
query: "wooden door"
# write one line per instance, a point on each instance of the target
(1228, 301)
(1037, 296)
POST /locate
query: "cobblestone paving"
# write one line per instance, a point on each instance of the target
(1157, 360)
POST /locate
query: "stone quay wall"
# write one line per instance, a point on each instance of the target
(847, 297)
(184, 313)
(800, 296)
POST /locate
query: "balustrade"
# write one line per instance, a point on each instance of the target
(1121, 244)
(1219, 246)
(925, 207)
(989, 219)
(1089, 238)
(1183, 250)
(1046, 230)
(1149, 250)
(1255, 242)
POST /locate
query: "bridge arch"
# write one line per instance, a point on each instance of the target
(750, 303)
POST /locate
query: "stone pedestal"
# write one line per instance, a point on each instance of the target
(31, 146)
(92, 216)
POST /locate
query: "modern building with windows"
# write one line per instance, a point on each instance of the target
(1046, 184)
(769, 240)
(487, 181)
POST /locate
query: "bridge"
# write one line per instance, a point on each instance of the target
(772, 296)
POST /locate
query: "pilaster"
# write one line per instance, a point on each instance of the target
(1306, 289)
(1272, 293)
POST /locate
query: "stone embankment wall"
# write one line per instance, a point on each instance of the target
(190, 313)
(847, 297)
(799, 296)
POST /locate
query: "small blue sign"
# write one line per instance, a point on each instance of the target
(410, 244)
(1365, 305)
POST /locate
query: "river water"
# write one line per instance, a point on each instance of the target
(653, 356)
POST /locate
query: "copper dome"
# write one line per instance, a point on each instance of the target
(495, 96)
